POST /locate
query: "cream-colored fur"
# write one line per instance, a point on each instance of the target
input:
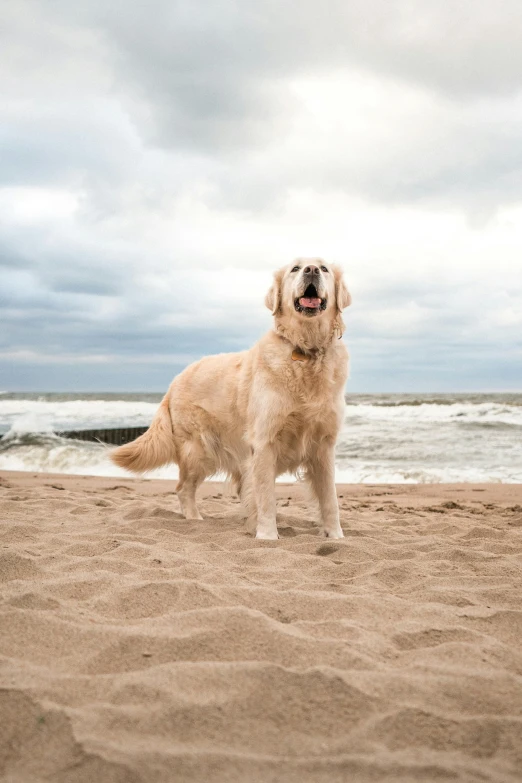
(257, 414)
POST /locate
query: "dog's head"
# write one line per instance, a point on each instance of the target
(309, 288)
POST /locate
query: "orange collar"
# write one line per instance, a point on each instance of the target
(297, 356)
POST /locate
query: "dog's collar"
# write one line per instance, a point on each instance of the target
(299, 356)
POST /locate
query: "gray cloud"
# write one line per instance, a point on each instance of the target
(213, 83)
(215, 77)
(180, 133)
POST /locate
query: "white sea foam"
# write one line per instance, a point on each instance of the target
(375, 474)
(75, 414)
(425, 413)
(89, 459)
(73, 457)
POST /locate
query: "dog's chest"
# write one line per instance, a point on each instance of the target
(302, 432)
(315, 410)
(313, 383)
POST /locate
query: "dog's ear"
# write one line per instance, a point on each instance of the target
(342, 295)
(273, 296)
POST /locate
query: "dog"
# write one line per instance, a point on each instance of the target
(275, 408)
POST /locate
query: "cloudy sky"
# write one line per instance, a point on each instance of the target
(159, 160)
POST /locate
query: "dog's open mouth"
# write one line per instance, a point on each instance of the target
(310, 302)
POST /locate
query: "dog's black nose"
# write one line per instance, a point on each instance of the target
(311, 270)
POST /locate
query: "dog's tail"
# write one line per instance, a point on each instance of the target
(152, 449)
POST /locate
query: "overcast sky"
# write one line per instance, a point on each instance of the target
(159, 160)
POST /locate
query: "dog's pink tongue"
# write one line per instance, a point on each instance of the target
(310, 302)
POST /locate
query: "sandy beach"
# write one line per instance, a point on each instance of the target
(138, 646)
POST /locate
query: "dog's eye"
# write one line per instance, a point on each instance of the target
(324, 269)
(296, 269)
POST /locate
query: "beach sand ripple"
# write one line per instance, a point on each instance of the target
(137, 646)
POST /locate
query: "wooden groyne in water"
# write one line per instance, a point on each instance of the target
(114, 436)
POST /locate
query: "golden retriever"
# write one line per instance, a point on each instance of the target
(254, 415)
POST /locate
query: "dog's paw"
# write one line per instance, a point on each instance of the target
(333, 533)
(267, 536)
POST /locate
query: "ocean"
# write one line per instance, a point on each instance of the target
(386, 438)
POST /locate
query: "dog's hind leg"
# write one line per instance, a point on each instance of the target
(248, 500)
(186, 492)
(193, 469)
(237, 482)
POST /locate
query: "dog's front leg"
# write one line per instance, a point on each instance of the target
(263, 476)
(321, 473)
